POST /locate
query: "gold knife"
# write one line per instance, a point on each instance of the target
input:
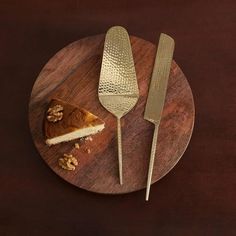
(157, 93)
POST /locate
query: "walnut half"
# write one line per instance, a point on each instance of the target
(68, 162)
(55, 113)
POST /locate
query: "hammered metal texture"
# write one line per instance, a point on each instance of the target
(118, 88)
(159, 80)
(157, 93)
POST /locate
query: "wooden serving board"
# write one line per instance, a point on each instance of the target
(72, 75)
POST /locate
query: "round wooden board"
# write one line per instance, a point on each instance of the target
(72, 75)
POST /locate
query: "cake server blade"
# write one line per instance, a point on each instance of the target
(118, 88)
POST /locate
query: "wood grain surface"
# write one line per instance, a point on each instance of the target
(72, 75)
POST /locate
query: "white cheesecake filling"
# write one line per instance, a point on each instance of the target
(76, 134)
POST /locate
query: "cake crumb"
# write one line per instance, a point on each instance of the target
(77, 146)
(82, 139)
(88, 138)
(88, 150)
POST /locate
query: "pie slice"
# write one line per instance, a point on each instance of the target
(64, 122)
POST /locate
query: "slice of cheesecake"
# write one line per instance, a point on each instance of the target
(64, 122)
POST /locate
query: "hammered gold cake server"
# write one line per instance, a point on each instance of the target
(157, 93)
(118, 88)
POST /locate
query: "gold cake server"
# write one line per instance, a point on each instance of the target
(157, 93)
(118, 88)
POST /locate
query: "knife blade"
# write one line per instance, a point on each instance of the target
(156, 95)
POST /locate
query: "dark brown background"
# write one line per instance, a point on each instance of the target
(197, 197)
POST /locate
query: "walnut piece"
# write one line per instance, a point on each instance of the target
(68, 162)
(55, 113)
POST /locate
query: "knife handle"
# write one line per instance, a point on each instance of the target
(152, 158)
(119, 150)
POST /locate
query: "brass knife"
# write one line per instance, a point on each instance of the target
(157, 93)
